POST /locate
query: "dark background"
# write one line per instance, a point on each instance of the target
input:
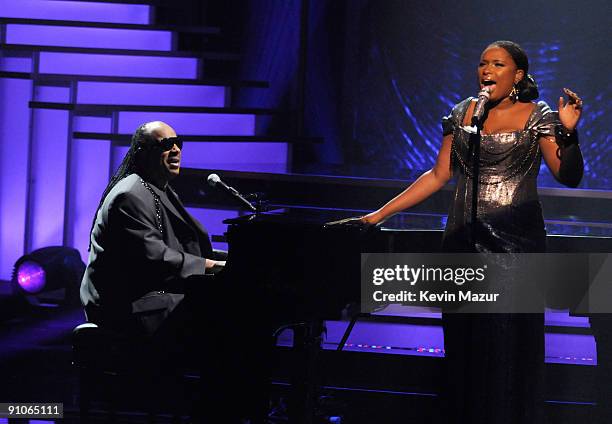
(379, 75)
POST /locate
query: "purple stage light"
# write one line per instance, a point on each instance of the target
(116, 156)
(15, 64)
(100, 124)
(577, 349)
(213, 219)
(89, 174)
(428, 340)
(109, 38)
(141, 94)
(49, 277)
(48, 167)
(14, 125)
(31, 277)
(118, 65)
(192, 123)
(238, 156)
(46, 93)
(76, 11)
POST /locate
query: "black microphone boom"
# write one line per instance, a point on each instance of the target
(214, 181)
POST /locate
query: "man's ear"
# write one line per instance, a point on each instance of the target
(519, 75)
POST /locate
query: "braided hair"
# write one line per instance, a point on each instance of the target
(141, 139)
(527, 87)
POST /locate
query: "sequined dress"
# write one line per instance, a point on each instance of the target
(509, 216)
(495, 362)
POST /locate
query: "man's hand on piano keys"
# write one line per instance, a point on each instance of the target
(213, 267)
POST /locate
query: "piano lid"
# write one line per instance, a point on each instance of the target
(321, 216)
(405, 221)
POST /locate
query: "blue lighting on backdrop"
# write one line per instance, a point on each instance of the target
(418, 59)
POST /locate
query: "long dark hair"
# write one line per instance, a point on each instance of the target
(527, 87)
(141, 139)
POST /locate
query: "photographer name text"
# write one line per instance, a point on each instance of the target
(426, 296)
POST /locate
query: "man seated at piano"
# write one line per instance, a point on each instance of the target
(147, 276)
(143, 243)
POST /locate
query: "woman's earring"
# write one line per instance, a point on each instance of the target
(514, 94)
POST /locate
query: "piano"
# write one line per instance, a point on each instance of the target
(307, 273)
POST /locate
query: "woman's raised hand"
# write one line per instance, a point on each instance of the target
(569, 113)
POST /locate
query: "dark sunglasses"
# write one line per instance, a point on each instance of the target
(167, 143)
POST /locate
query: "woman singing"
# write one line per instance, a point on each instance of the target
(496, 362)
(516, 133)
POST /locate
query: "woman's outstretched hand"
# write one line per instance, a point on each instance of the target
(569, 113)
(371, 219)
(357, 221)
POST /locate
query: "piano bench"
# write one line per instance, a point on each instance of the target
(115, 368)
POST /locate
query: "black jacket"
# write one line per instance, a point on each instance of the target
(131, 259)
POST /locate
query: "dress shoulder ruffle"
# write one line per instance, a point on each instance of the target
(543, 120)
(453, 120)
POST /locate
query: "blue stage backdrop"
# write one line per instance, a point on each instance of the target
(391, 69)
(417, 59)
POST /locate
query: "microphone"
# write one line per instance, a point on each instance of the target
(483, 99)
(214, 181)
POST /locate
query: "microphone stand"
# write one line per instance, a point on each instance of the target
(475, 153)
(242, 200)
(258, 201)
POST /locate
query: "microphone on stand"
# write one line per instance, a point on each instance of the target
(483, 99)
(479, 110)
(214, 181)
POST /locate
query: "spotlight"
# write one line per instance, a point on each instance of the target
(49, 276)
(31, 277)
